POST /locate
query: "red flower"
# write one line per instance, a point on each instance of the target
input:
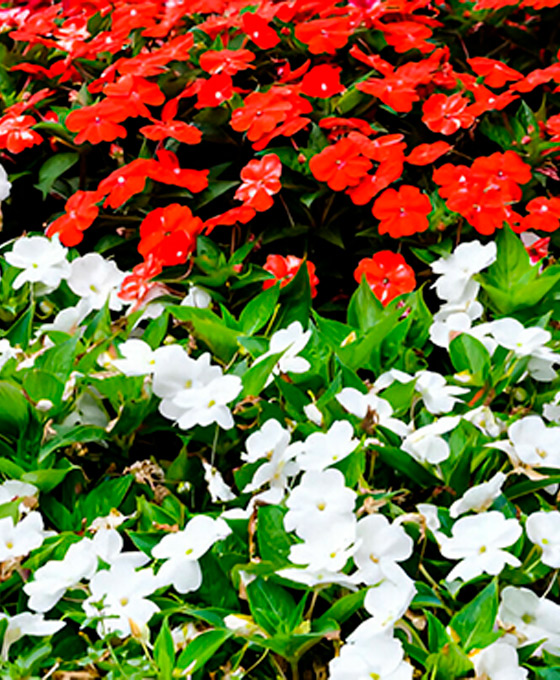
(447, 114)
(322, 82)
(403, 212)
(324, 35)
(536, 247)
(137, 285)
(261, 179)
(341, 165)
(266, 115)
(495, 73)
(214, 91)
(259, 31)
(544, 214)
(407, 35)
(97, 123)
(261, 113)
(169, 234)
(16, 135)
(503, 171)
(285, 268)
(125, 182)
(424, 154)
(133, 93)
(176, 129)
(81, 210)
(229, 62)
(167, 171)
(387, 274)
(241, 214)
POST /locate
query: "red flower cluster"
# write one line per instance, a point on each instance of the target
(483, 193)
(169, 234)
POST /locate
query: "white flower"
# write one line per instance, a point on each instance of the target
(438, 396)
(313, 414)
(511, 334)
(271, 442)
(498, 661)
(68, 319)
(13, 489)
(119, 596)
(43, 261)
(531, 443)
(529, 618)
(444, 330)
(108, 544)
(543, 529)
(458, 268)
(111, 521)
(551, 410)
(479, 498)
(431, 518)
(27, 624)
(329, 552)
(320, 500)
(315, 577)
(218, 489)
(182, 549)
(426, 445)
(196, 297)
(380, 545)
(477, 541)
(20, 539)
(204, 405)
(483, 418)
(290, 341)
(53, 579)
(380, 657)
(7, 352)
(5, 185)
(322, 449)
(360, 405)
(176, 371)
(386, 602)
(95, 279)
(139, 358)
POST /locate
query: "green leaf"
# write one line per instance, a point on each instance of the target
(14, 410)
(259, 310)
(474, 624)
(164, 652)
(254, 379)
(42, 385)
(405, 464)
(272, 607)
(105, 497)
(53, 168)
(273, 540)
(344, 607)
(202, 649)
(208, 327)
(364, 309)
(47, 480)
(470, 356)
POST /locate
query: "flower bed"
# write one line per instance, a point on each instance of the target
(279, 331)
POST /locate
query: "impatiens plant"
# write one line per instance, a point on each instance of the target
(279, 338)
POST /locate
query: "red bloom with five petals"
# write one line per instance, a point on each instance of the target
(403, 212)
(169, 234)
(261, 180)
(387, 274)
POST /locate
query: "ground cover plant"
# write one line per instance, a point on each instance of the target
(279, 329)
